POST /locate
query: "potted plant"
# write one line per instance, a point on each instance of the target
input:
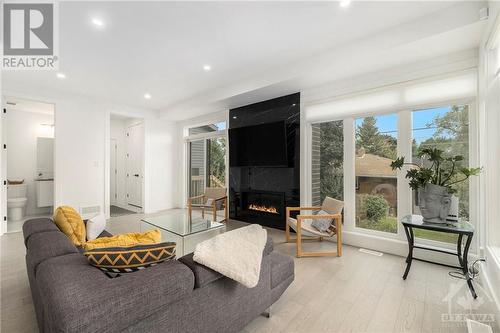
(436, 183)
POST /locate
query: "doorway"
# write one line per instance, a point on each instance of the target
(27, 161)
(126, 165)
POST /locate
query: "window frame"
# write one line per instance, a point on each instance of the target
(404, 148)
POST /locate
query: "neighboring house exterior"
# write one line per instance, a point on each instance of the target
(374, 175)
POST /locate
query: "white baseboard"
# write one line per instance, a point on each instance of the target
(398, 247)
(128, 207)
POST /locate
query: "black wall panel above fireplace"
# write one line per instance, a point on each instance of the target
(260, 191)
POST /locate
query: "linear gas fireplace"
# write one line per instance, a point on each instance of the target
(265, 209)
(261, 206)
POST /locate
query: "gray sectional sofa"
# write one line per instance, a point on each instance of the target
(175, 296)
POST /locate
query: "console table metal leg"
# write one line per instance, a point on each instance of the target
(465, 267)
(459, 250)
(409, 258)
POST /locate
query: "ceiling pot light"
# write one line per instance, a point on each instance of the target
(97, 22)
(206, 68)
(147, 96)
(344, 3)
(61, 75)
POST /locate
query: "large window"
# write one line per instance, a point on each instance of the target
(445, 128)
(327, 161)
(376, 182)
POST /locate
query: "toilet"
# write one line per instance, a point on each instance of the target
(16, 201)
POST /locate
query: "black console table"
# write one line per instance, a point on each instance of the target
(460, 228)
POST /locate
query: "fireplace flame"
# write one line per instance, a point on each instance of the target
(272, 210)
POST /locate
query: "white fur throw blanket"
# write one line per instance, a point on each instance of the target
(236, 254)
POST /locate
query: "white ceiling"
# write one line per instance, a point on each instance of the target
(161, 47)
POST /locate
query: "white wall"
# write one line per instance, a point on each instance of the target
(162, 165)
(82, 133)
(23, 129)
(489, 122)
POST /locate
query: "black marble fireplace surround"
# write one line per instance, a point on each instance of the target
(260, 194)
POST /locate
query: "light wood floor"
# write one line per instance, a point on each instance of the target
(356, 293)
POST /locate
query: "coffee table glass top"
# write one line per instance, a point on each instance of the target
(460, 227)
(181, 224)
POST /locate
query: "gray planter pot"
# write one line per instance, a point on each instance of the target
(434, 203)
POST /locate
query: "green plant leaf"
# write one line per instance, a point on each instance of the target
(398, 163)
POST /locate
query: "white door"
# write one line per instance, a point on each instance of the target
(134, 165)
(113, 171)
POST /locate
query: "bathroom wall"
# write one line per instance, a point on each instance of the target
(23, 128)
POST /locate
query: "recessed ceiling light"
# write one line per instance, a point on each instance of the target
(147, 96)
(234, 117)
(98, 22)
(206, 68)
(344, 3)
(61, 75)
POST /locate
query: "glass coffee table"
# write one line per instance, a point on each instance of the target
(185, 231)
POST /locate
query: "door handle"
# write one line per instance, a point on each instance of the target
(136, 175)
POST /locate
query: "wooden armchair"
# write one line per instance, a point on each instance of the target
(305, 231)
(213, 199)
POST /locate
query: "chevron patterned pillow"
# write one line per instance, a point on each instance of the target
(130, 259)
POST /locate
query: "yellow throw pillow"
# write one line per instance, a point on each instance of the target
(124, 240)
(71, 224)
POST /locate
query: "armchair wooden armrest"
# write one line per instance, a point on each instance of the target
(226, 208)
(289, 209)
(321, 216)
(191, 199)
(221, 198)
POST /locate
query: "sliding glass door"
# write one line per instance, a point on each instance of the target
(206, 157)
(197, 167)
(216, 162)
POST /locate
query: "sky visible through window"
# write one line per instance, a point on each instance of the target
(221, 126)
(387, 124)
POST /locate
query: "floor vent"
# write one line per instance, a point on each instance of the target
(373, 253)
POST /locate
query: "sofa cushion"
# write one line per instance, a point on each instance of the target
(124, 240)
(79, 298)
(130, 259)
(71, 224)
(269, 246)
(35, 226)
(46, 245)
(103, 234)
(282, 268)
(202, 274)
